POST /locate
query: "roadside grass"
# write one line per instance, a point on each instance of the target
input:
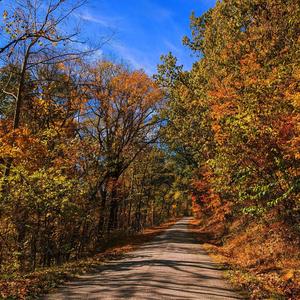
(32, 285)
(260, 259)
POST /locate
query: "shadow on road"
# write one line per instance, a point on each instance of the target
(172, 266)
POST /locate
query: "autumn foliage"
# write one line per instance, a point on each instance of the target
(91, 150)
(236, 115)
(79, 162)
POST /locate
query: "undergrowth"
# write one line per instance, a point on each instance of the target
(261, 258)
(32, 285)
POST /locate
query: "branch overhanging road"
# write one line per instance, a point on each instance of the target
(172, 266)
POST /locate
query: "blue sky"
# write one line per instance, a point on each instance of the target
(142, 30)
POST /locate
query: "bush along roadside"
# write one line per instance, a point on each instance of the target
(261, 260)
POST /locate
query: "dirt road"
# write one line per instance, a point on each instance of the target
(173, 266)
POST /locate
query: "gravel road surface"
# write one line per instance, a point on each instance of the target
(172, 266)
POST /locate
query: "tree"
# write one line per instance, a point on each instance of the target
(120, 118)
(34, 36)
(235, 111)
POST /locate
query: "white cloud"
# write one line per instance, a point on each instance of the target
(86, 16)
(98, 19)
(136, 58)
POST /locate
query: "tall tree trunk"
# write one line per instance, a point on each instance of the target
(19, 101)
(114, 206)
(130, 201)
(101, 221)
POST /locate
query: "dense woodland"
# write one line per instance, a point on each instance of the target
(235, 115)
(79, 138)
(234, 120)
(90, 149)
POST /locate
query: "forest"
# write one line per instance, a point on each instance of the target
(91, 149)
